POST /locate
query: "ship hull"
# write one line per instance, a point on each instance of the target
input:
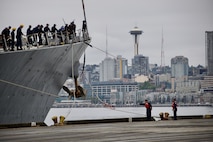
(30, 81)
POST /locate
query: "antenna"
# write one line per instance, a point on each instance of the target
(106, 44)
(162, 51)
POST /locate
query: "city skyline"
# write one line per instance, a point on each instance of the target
(184, 24)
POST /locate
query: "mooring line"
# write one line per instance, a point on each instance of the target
(109, 106)
(27, 88)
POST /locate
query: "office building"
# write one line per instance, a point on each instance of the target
(140, 65)
(121, 67)
(116, 91)
(180, 68)
(179, 71)
(107, 69)
(209, 52)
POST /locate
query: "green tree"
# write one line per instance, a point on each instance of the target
(146, 85)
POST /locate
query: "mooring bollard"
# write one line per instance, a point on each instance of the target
(33, 124)
(207, 116)
(161, 115)
(55, 120)
(62, 118)
(166, 116)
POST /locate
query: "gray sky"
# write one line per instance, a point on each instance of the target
(184, 24)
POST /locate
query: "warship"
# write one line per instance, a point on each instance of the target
(31, 79)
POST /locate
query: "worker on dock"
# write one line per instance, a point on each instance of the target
(174, 108)
(148, 107)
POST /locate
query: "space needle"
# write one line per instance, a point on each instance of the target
(136, 32)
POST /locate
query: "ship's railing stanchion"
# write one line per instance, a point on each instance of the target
(5, 43)
(55, 38)
(47, 42)
(35, 38)
(62, 37)
(67, 37)
(37, 44)
(79, 35)
(28, 41)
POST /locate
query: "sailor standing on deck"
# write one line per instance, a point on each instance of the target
(19, 37)
(46, 31)
(13, 39)
(40, 32)
(84, 29)
(5, 37)
(66, 33)
(35, 34)
(72, 28)
(29, 35)
(54, 31)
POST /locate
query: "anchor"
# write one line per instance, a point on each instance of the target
(79, 91)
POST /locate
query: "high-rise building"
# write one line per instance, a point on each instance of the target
(180, 68)
(179, 73)
(209, 52)
(113, 68)
(207, 82)
(140, 65)
(107, 69)
(121, 67)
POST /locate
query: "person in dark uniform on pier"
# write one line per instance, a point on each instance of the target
(148, 110)
(13, 39)
(174, 108)
(19, 37)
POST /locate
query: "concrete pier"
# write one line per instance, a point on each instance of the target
(187, 130)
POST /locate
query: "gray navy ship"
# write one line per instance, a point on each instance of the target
(31, 79)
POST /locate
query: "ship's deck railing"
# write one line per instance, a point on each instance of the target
(48, 39)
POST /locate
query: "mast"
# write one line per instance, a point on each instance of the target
(84, 10)
(85, 19)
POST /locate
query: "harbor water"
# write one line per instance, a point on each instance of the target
(92, 113)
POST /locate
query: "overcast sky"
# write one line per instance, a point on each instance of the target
(184, 23)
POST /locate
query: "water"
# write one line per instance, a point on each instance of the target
(72, 114)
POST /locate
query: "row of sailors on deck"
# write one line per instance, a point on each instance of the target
(39, 35)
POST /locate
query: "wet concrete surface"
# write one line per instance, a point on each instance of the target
(186, 130)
